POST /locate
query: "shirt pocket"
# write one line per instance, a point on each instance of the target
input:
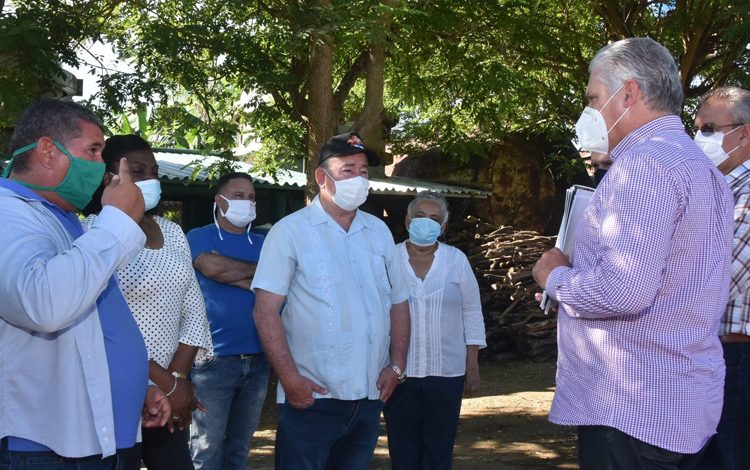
(383, 281)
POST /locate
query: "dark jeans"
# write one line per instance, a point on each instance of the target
(331, 434)
(124, 459)
(163, 450)
(422, 417)
(605, 448)
(730, 447)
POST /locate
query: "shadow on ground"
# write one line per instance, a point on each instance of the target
(504, 428)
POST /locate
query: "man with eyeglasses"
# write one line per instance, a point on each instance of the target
(723, 133)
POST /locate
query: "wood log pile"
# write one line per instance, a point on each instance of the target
(502, 258)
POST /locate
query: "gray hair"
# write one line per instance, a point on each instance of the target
(647, 62)
(438, 198)
(738, 97)
(59, 120)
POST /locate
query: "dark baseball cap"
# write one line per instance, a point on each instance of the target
(346, 144)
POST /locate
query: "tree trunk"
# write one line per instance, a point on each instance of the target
(320, 102)
(371, 122)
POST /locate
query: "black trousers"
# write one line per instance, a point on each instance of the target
(421, 418)
(606, 448)
(163, 450)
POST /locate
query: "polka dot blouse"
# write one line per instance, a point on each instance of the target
(163, 293)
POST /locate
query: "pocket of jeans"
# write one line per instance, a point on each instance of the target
(204, 363)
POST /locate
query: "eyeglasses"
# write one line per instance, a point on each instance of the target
(709, 129)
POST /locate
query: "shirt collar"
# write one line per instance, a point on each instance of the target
(647, 131)
(318, 216)
(739, 176)
(25, 192)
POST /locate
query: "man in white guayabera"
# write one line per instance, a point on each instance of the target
(339, 346)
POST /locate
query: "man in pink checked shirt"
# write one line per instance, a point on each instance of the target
(640, 366)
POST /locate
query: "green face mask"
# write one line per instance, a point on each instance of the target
(79, 184)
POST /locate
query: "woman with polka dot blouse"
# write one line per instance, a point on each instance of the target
(163, 293)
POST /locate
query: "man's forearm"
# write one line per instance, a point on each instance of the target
(400, 330)
(224, 268)
(272, 335)
(472, 357)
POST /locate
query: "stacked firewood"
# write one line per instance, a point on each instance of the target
(502, 258)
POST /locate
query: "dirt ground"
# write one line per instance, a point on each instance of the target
(504, 428)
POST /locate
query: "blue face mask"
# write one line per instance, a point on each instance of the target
(423, 231)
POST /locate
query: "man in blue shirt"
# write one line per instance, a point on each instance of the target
(74, 368)
(231, 382)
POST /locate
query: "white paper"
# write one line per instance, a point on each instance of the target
(577, 198)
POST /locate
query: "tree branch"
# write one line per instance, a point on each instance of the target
(347, 82)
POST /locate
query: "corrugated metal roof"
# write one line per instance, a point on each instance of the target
(175, 164)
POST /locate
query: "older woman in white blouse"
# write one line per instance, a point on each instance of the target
(447, 330)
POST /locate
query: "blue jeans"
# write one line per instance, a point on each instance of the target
(606, 448)
(233, 389)
(421, 418)
(331, 434)
(124, 459)
(730, 447)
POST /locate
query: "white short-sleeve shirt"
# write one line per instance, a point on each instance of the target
(339, 289)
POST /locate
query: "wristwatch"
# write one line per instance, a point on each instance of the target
(401, 375)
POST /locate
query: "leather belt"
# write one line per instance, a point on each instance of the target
(249, 356)
(735, 338)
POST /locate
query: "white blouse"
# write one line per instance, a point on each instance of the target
(446, 314)
(162, 291)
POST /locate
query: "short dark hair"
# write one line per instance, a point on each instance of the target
(118, 145)
(57, 119)
(226, 178)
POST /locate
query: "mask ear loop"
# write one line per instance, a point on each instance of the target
(217, 223)
(248, 233)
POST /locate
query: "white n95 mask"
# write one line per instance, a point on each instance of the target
(591, 128)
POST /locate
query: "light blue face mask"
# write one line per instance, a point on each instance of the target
(423, 231)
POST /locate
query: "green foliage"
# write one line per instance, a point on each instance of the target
(460, 75)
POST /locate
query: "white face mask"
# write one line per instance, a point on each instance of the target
(713, 145)
(591, 128)
(151, 190)
(240, 211)
(350, 193)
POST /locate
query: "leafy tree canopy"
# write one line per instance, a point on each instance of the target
(455, 74)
